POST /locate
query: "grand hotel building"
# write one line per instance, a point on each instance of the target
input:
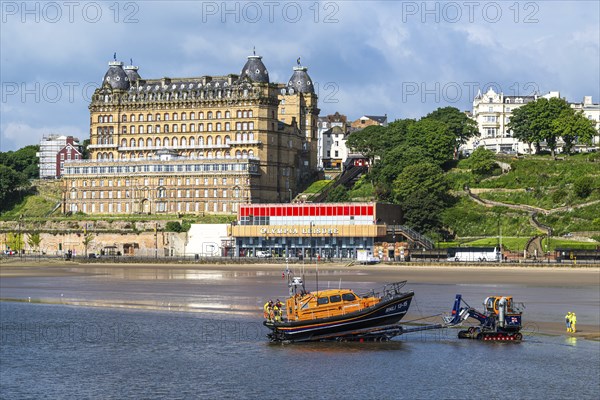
(194, 145)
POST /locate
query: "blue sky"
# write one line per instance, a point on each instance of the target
(403, 58)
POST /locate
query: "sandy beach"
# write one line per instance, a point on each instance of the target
(544, 279)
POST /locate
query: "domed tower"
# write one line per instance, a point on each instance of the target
(116, 76)
(132, 72)
(300, 81)
(299, 100)
(255, 70)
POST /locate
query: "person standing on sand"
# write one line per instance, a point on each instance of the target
(568, 321)
(573, 322)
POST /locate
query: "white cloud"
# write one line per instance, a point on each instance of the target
(15, 135)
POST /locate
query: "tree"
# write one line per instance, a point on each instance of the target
(23, 160)
(462, 127)
(173, 226)
(33, 240)
(532, 123)
(421, 190)
(87, 240)
(573, 127)
(583, 187)
(338, 194)
(11, 182)
(370, 141)
(434, 137)
(15, 241)
(482, 161)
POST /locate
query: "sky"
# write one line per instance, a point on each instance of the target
(400, 58)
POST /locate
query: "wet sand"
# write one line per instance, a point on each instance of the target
(545, 278)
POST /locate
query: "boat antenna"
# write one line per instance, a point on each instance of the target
(340, 286)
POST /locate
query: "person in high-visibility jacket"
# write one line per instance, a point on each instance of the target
(568, 321)
(573, 322)
(276, 313)
(267, 310)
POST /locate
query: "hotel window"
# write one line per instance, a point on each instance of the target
(215, 193)
(149, 119)
(282, 110)
(218, 114)
(175, 117)
(158, 117)
(227, 114)
(209, 115)
(209, 127)
(200, 115)
(205, 192)
(250, 114)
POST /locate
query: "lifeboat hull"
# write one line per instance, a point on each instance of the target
(383, 314)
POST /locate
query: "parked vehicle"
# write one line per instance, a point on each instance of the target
(263, 254)
(366, 257)
(474, 254)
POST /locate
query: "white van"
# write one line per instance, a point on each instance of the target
(263, 254)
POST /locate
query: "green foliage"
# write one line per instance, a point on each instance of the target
(579, 219)
(11, 183)
(363, 189)
(583, 187)
(15, 241)
(533, 122)
(421, 190)
(338, 194)
(434, 137)
(458, 123)
(34, 239)
(317, 186)
(173, 226)
(573, 126)
(23, 160)
(482, 161)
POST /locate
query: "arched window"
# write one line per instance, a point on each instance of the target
(132, 118)
(238, 137)
(250, 153)
(245, 114)
(209, 141)
(150, 129)
(149, 118)
(218, 126)
(227, 114)
(200, 127)
(227, 139)
(123, 142)
(157, 142)
(218, 141)
(158, 116)
(175, 128)
(175, 142)
(166, 128)
(244, 154)
(245, 126)
(227, 126)
(218, 154)
(238, 154)
(141, 129)
(183, 142)
(110, 156)
(209, 127)
(124, 118)
(239, 114)
(192, 141)
(166, 142)
(183, 116)
(183, 128)
(200, 154)
(209, 115)
(110, 118)
(200, 141)
(175, 117)
(209, 154)
(238, 126)
(251, 125)
(132, 129)
(244, 137)
(200, 115)
(218, 114)
(192, 115)
(250, 114)
(141, 117)
(227, 154)
(141, 143)
(132, 143)
(99, 119)
(192, 127)
(149, 142)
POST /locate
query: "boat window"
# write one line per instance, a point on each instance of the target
(335, 299)
(348, 297)
(322, 300)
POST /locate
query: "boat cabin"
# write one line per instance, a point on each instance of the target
(325, 304)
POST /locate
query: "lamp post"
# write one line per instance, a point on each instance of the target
(290, 190)
(311, 241)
